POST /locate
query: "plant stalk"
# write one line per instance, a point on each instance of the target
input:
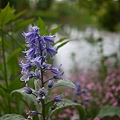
(5, 67)
(42, 101)
(4, 60)
(42, 84)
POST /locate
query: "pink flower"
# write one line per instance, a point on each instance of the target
(97, 118)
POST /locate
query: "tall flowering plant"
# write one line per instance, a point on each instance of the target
(39, 50)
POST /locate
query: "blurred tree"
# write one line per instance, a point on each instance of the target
(44, 4)
(107, 11)
(17, 4)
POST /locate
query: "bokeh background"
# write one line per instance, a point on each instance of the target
(92, 55)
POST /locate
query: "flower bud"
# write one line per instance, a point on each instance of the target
(27, 90)
(50, 83)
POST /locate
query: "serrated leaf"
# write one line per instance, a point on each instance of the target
(29, 97)
(64, 82)
(6, 15)
(55, 30)
(69, 103)
(12, 117)
(109, 111)
(41, 25)
(62, 44)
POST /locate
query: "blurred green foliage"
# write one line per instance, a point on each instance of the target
(11, 45)
(104, 14)
(12, 25)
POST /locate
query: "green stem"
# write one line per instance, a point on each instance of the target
(4, 60)
(5, 68)
(42, 101)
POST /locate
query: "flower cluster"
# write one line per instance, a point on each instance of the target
(82, 93)
(40, 48)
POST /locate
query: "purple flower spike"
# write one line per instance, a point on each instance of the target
(34, 31)
(58, 98)
(27, 90)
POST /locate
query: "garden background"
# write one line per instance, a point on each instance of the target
(88, 42)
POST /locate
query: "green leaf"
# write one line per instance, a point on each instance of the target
(15, 84)
(22, 23)
(41, 25)
(64, 82)
(29, 97)
(62, 44)
(20, 14)
(68, 103)
(59, 41)
(6, 15)
(109, 111)
(12, 117)
(14, 53)
(55, 30)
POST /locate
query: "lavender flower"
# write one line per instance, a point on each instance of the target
(77, 90)
(39, 49)
(41, 94)
(84, 91)
(27, 90)
(51, 51)
(50, 83)
(58, 98)
(56, 69)
(58, 75)
(31, 114)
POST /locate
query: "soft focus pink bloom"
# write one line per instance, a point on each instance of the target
(115, 104)
(97, 118)
(113, 87)
(62, 116)
(118, 88)
(68, 111)
(90, 85)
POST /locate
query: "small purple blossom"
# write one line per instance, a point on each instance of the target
(41, 94)
(58, 75)
(84, 91)
(51, 51)
(37, 74)
(49, 39)
(31, 114)
(58, 98)
(25, 65)
(25, 76)
(27, 90)
(77, 91)
(34, 32)
(56, 69)
(50, 83)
